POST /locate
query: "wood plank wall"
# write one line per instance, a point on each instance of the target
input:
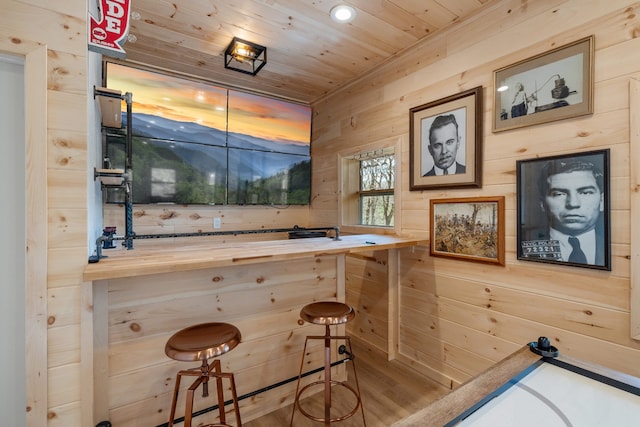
(457, 318)
(367, 291)
(163, 219)
(57, 133)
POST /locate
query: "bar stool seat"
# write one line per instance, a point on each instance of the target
(200, 343)
(328, 313)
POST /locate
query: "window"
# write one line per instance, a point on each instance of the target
(376, 190)
(368, 187)
(195, 143)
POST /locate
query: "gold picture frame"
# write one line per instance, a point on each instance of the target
(470, 228)
(554, 85)
(459, 115)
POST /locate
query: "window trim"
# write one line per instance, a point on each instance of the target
(349, 186)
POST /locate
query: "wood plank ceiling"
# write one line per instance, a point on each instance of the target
(308, 54)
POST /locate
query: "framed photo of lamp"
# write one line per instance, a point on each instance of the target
(445, 142)
(554, 85)
(470, 229)
(563, 210)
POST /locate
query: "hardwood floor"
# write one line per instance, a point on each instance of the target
(390, 391)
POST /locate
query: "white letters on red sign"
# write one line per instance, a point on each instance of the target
(108, 34)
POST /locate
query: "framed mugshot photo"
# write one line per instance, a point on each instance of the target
(563, 210)
(445, 139)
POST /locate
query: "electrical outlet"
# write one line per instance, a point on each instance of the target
(216, 222)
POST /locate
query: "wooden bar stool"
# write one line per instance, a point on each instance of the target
(328, 313)
(203, 342)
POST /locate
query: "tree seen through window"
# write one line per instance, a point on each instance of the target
(377, 178)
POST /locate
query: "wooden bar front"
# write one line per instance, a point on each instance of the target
(140, 297)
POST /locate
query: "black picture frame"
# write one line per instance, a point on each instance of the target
(467, 109)
(580, 185)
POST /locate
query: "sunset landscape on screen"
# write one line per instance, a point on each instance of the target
(195, 102)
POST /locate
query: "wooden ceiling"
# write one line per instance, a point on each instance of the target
(308, 54)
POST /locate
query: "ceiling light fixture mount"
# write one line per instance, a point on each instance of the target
(343, 13)
(245, 57)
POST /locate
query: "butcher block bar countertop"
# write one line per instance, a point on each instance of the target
(172, 257)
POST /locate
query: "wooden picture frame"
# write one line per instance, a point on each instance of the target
(554, 85)
(457, 122)
(560, 198)
(470, 228)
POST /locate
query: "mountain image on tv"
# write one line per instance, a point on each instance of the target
(157, 127)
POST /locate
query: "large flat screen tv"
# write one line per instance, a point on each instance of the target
(197, 143)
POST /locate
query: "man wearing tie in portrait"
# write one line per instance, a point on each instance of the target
(443, 145)
(571, 194)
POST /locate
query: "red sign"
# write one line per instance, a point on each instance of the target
(107, 35)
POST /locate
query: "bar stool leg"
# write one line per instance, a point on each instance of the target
(355, 377)
(327, 377)
(213, 370)
(216, 373)
(236, 405)
(295, 399)
(188, 411)
(175, 400)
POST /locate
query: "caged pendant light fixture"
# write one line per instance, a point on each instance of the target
(245, 57)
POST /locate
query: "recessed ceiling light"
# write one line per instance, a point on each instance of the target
(343, 13)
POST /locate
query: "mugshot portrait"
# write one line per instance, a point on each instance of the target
(445, 139)
(443, 143)
(563, 209)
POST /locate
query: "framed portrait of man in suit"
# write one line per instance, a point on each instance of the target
(563, 210)
(446, 142)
